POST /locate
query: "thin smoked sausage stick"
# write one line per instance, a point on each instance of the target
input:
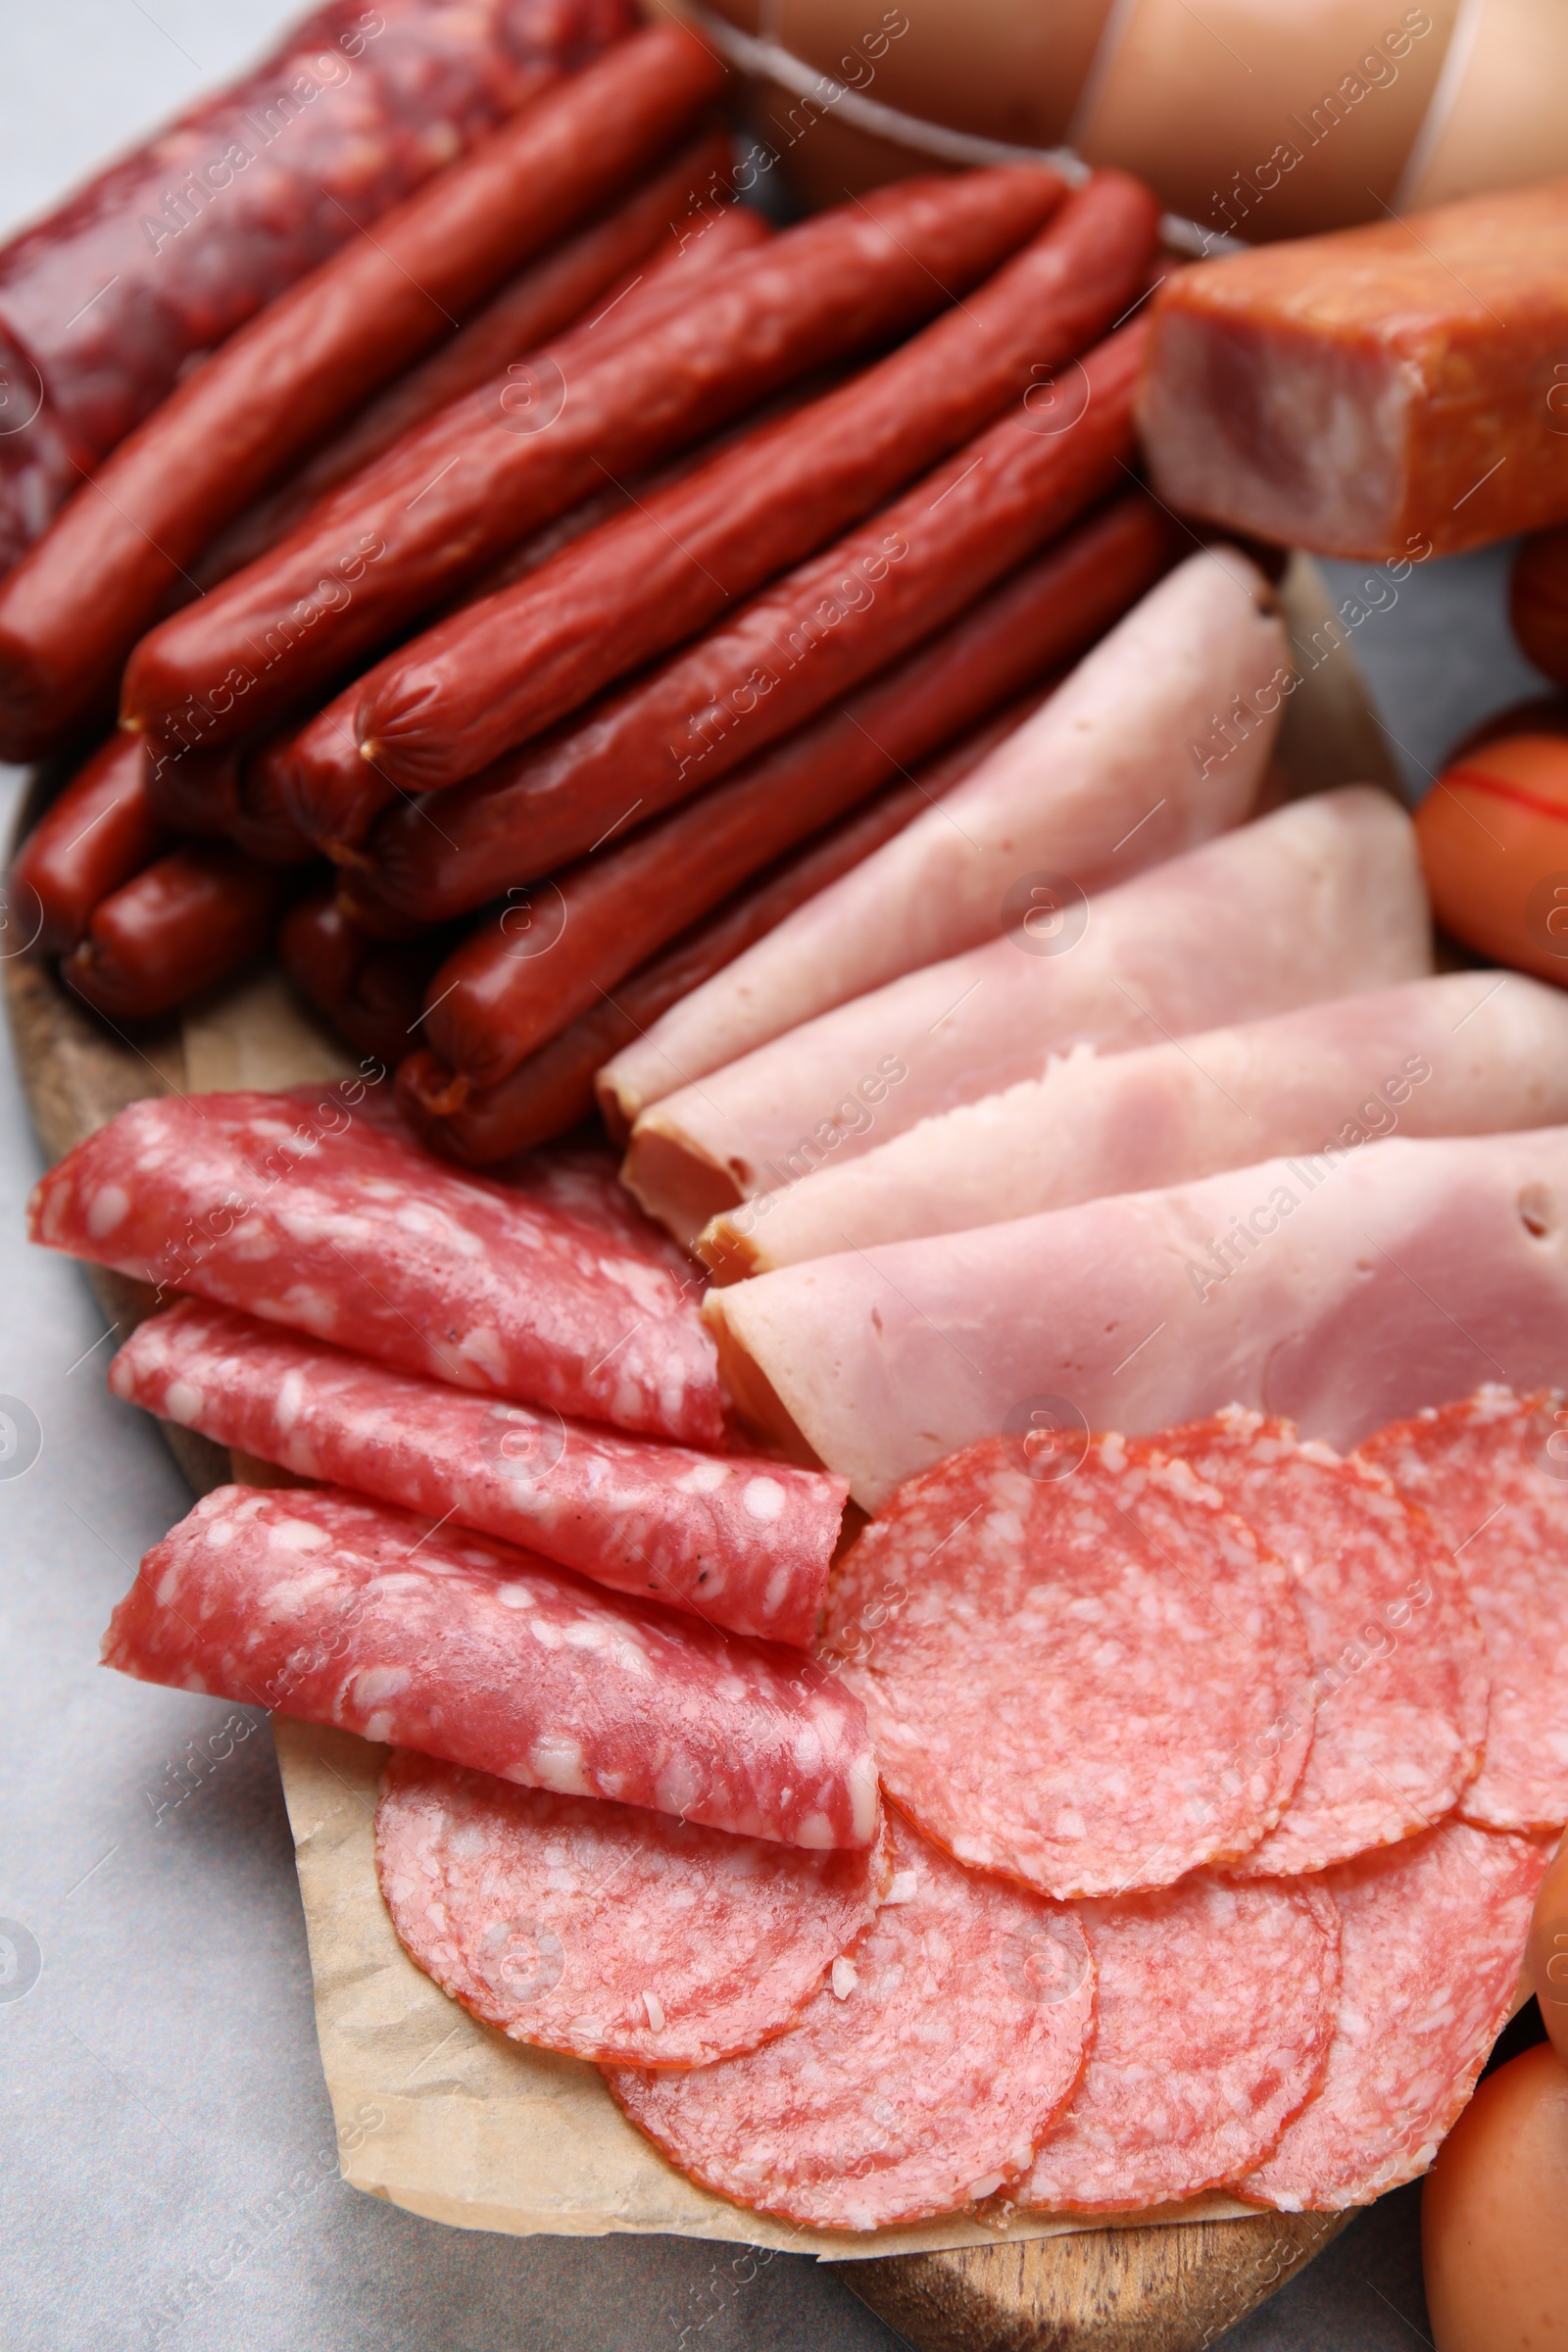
(438, 510)
(548, 955)
(99, 833)
(184, 921)
(75, 606)
(511, 664)
(760, 672)
(641, 238)
(552, 1090)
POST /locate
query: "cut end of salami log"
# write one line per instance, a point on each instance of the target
(1080, 1669)
(607, 1931)
(1384, 392)
(1432, 1933)
(739, 1543)
(916, 2082)
(322, 1605)
(311, 1214)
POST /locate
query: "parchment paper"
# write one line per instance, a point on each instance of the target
(435, 2111)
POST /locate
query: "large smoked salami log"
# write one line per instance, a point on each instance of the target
(173, 247)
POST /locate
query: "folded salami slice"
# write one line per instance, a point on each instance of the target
(1078, 1668)
(336, 1224)
(1492, 1473)
(1214, 2010)
(1399, 1692)
(602, 1930)
(342, 1612)
(1432, 1933)
(916, 2081)
(743, 1542)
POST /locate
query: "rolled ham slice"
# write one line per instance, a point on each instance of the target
(1340, 1290)
(1123, 767)
(332, 1221)
(1466, 1053)
(324, 1605)
(741, 1543)
(1322, 898)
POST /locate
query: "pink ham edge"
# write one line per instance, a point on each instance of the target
(1457, 1054)
(915, 2082)
(1341, 1292)
(1212, 2026)
(604, 1932)
(1189, 945)
(742, 1544)
(339, 1227)
(1492, 1473)
(1432, 1933)
(1099, 784)
(1398, 1688)
(321, 1605)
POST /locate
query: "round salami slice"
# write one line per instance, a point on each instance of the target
(1432, 1933)
(916, 2081)
(1492, 1473)
(1214, 2008)
(600, 1930)
(1398, 1690)
(1091, 1681)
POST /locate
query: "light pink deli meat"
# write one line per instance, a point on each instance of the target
(1101, 783)
(1493, 1472)
(603, 1930)
(1339, 1291)
(743, 1542)
(1466, 1053)
(1191, 943)
(1078, 1668)
(1398, 1688)
(1215, 2006)
(341, 1611)
(916, 2081)
(1432, 1933)
(336, 1224)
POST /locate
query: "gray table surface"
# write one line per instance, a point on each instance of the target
(167, 2154)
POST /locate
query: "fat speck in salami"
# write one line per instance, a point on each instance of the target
(602, 1930)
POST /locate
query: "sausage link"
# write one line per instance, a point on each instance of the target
(552, 1090)
(542, 302)
(771, 666)
(503, 668)
(369, 992)
(195, 793)
(551, 950)
(262, 822)
(188, 919)
(320, 951)
(439, 508)
(162, 256)
(75, 605)
(100, 832)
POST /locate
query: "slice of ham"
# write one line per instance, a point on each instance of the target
(742, 1544)
(342, 1612)
(335, 1223)
(1466, 1053)
(1321, 898)
(1341, 1291)
(1122, 768)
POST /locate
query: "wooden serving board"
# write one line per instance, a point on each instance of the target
(1167, 2286)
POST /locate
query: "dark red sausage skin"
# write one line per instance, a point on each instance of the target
(552, 1090)
(442, 507)
(176, 245)
(75, 605)
(546, 957)
(192, 917)
(370, 991)
(98, 834)
(513, 663)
